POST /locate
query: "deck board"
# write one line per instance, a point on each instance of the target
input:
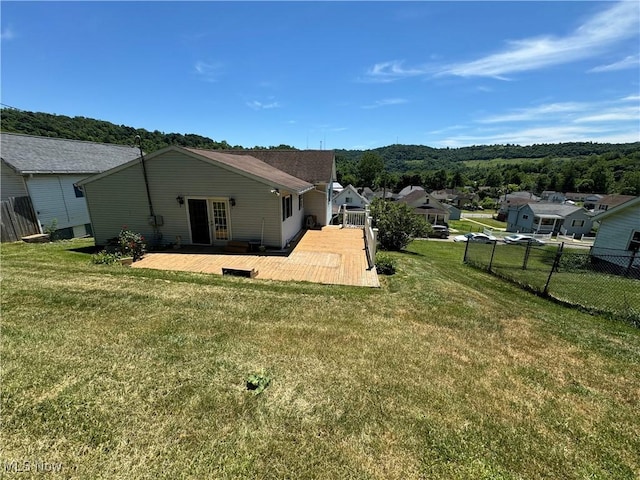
(332, 255)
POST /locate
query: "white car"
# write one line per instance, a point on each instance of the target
(522, 240)
(475, 237)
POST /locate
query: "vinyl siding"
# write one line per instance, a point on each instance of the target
(120, 199)
(356, 200)
(614, 235)
(616, 230)
(578, 215)
(517, 222)
(292, 225)
(54, 198)
(314, 204)
(12, 184)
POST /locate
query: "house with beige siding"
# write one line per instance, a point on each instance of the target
(190, 196)
(47, 170)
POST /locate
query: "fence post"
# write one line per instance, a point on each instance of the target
(493, 251)
(344, 215)
(554, 268)
(466, 249)
(526, 256)
(632, 258)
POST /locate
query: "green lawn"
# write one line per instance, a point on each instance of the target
(445, 372)
(476, 224)
(576, 285)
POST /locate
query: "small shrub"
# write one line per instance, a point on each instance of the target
(105, 258)
(131, 244)
(397, 224)
(385, 264)
(572, 262)
(51, 230)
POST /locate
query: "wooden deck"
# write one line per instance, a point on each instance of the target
(332, 255)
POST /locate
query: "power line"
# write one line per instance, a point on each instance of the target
(9, 106)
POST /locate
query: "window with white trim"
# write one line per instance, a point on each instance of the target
(287, 207)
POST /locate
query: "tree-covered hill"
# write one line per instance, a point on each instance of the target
(89, 129)
(578, 166)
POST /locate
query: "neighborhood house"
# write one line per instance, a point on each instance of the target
(544, 218)
(350, 197)
(47, 171)
(618, 238)
(213, 197)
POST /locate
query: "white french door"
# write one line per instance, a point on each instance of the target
(209, 220)
(219, 214)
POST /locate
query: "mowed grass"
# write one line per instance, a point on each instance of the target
(445, 372)
(592, 290)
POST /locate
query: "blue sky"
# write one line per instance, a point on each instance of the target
(353, 75)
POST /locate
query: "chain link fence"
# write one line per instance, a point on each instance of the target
(598, 280)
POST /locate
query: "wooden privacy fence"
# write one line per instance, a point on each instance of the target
(18, 219)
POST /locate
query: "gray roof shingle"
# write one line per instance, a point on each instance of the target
(31, 154)
(554, 209)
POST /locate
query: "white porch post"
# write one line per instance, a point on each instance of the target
(344, 215)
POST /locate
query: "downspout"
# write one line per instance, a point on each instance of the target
(146, 179)
(152, 217)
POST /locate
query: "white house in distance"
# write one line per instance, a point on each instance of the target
(48, 169)
(350, 197)
(192, 196)
(618, 237)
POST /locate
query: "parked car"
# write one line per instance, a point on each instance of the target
(475, 237)
(522, 240)
(439, 231)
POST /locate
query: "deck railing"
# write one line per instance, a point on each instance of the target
(362, 219)
(353, 218)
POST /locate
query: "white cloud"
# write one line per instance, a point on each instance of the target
(632, 61)
(257, 105)
(612, 115)
(539, 112)
(572, 112)
(540, 135)
(209, 72)
(385, 103)
(612, 121)
(385, 72)
(596, 35)
(601, 31)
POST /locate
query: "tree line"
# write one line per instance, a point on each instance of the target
(578, 166)
(92, 130)
(582, 167)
